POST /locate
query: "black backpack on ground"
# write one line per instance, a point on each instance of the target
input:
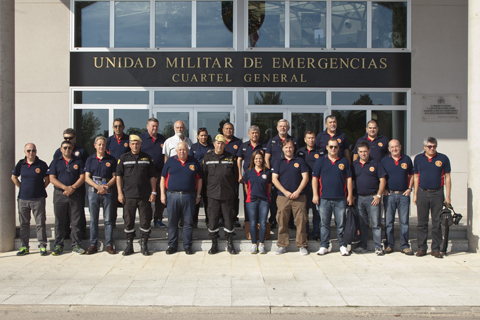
(351, 231)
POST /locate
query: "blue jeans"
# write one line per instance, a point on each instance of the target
(368, 212)
(392, 203)
(338, 207)
(96, 200)
(178, 206)
(315, 218)
(257, 211)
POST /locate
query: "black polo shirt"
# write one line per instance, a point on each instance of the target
(31, 176)
(431, 171)
(136, 170)
(275, 149)
(181, 176)
(257, 182)
(245, 152)
(198, 151)
(398, 172)
(290, 173)
(154, 148)
(233, 145)
(332, 177)
(323, 137)
(66, 172)
(77, 152)
(117, 147)
(378, 146)
(102, 168)
(367, 176)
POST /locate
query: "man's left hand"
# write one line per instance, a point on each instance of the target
(376, 201)
(152, 198)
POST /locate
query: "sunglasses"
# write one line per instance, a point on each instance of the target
(68, 138)
(67, 148)
(333, 147)
(117, 126)
(31, 151)
(431, 146)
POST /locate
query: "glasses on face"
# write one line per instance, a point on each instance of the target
(31, 151)
(117, 126)
(67, 148)
(333, 147)
(68, 138)
(431, 146)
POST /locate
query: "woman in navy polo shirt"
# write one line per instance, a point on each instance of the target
(258, 185)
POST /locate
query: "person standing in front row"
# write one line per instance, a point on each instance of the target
(290, 177)
(258, 186)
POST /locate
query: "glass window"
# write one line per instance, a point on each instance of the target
(369, 98)
(135, 119)
(213, 121)
(392, 124)
(110, 97)
(266, 24)
(173, 24)
(215, 24)
(389, 25)
(301, 122)
(132, 24)
(287, 98)
(89, 123)
(267, 122)
(307, 24)
(166, 120)
(352, 123)
(349, 24)
(193, 97)
(92, 24)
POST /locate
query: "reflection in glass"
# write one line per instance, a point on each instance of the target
(392, 124)
(267, 122)
(213, 121)
(213, 17)
(166, 120)
(287, 98)
(349, 24)
(132, 24)
(135, 119)
(92, 24)
(110, 97)
(307, 24)
(301, 122)
(389, 24)
(369, 98)
(89, 123)
(193, 97)
(352, 122)
(173, 24)
(266, 24)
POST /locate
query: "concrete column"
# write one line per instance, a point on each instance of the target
(7, 124)
(473, 127)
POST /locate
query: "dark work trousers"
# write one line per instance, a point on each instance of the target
(237, 202)
(83, 221)
(244, 203)
(217, 209)
(205, 206)
(144, 212)
(25, 209)
(429, 203)
(159, 206)
(72, 208)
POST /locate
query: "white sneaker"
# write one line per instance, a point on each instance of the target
(254, 249)
(322, 251)
(261, 249)
(281, 250)
(303, 251)
(344, 251)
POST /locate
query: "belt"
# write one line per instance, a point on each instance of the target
(397, 192)
(431, 190)
(368, 194)
(181, 192)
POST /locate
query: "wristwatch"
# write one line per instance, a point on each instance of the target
(378, 195)
(199, 195)
(153, 192)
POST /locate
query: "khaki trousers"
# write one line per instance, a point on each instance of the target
(298, 208)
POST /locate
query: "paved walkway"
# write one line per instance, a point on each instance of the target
(241, 280)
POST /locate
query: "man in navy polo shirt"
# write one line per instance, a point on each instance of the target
(310, 154)
(152, 144)
(432, 174)
(67, 176)
(378, 143)
(369, 176)
(244, 154)
(274, 152)
(332, 190)
(31, 197)
(100, 176)
(399, 170)
(181, 189)
(232, 145)
(290, 177)
(332, 132)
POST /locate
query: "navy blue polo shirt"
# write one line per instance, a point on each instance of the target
(275, 149)
(233, 145)
(431, 172)
(367, 176)
(309, 156)
(154, 148)
(332, 177)
(198, 151)
(246, 150)
(323, 137)
(397, 172)
(67, 174)
(290, 173)
(78, 152)
(104, 168)
(378, 146)
(31, 176)
(181, 176)
(116, 147)
(257, 183)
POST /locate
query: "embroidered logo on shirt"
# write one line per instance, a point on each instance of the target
(438, 163)
(296, 165)
(339, 140)
(316, 156)
(371, 169)
(341, 166)
(77, 153)
(75, 166)
(161, 146)
(235, 147)
(37, 170)
(404, 166)
(108, 164)
(264, 176)
(380, 144)
(192, 167)
(125, 144)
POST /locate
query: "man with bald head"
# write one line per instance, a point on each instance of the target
(399, 168)
(170, 145)
(181, 189)
(31, 197)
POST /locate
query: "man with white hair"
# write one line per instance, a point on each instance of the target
(170, 145)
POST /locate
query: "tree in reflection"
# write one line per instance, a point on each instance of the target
(89, 129)
(135, 130)
(364, 100)
(268, 97)
(168, 130)
(391, 21)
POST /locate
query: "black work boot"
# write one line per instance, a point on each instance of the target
(230, 247)
(214, 248)
(129, 249)
(144, 246)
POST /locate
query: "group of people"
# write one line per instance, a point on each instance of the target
(149, 173)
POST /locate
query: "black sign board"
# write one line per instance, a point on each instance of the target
(241, 69)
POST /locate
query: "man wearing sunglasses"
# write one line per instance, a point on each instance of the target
(31, 197)
(67, 176)
(432, 173)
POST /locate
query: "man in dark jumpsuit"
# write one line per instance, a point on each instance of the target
(220, 174)
(136, 183)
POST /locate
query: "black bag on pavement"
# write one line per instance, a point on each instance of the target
(351, 231)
